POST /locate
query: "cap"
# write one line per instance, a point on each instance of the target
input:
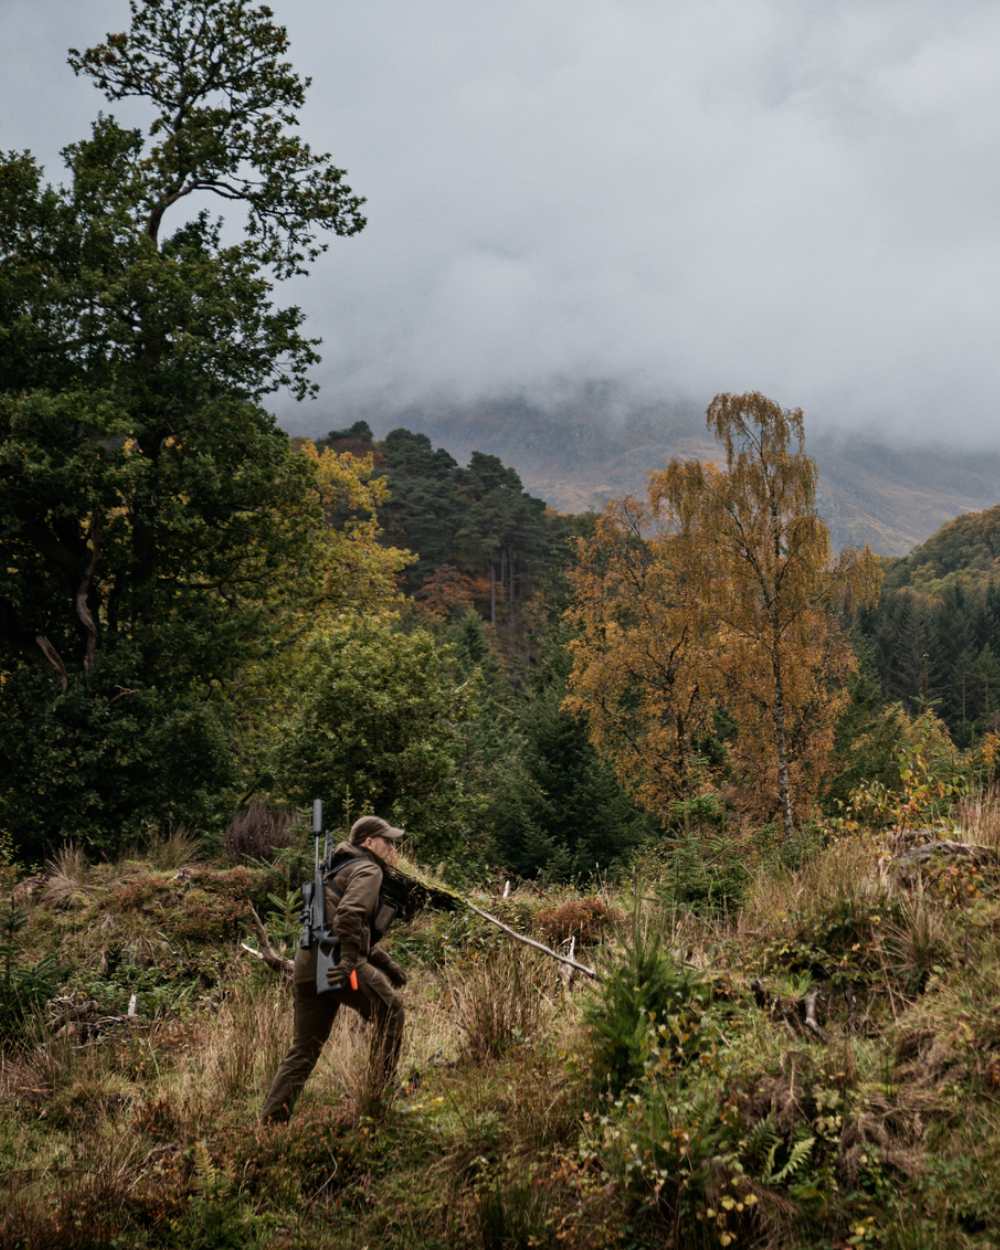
(374, 827)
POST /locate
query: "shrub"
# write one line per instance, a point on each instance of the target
(648, 1013)
(24, 986)
(175, 849)
(514, 1217)
(586, 919)
(258, 831)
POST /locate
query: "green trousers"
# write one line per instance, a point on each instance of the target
(374, 1000)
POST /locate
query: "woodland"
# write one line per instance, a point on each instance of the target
(748, 779)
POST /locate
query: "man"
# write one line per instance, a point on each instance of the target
(358, 915)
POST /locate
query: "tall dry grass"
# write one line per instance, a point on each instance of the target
(502, 1000)
(978, 818)
(174, 850)
(852, 868)
(66, 875)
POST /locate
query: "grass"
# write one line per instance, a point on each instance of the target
(745, 1129)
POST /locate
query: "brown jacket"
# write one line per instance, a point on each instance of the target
(355, 912)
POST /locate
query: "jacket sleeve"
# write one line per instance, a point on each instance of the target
(351, 921)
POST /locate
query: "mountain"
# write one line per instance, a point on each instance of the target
(593, 444)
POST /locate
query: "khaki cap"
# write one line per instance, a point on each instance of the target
(374, 827)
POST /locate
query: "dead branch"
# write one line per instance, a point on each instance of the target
(790, 1009)
(538, 946)
(567, 973)
(809, 1014)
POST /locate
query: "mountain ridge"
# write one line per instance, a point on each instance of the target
(586, 448)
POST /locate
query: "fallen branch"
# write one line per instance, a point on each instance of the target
(538, 946)
(434, 894)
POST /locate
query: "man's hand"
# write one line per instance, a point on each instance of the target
(396, 975)
(343, 976)
(385, 963)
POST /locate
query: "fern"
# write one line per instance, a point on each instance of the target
(797, 1157)
(763, 1136)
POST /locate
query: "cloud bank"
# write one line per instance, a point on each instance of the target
(798, 198)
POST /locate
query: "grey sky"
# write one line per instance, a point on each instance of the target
(800, 197)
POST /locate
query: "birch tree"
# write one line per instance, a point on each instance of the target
(729, 602)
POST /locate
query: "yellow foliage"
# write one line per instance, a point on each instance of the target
(342, 567)
(719, 595)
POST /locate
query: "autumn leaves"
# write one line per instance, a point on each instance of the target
(712, 652)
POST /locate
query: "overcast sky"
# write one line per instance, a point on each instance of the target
(797, 196)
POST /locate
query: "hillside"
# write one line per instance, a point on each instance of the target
(583, 450)
(815, 1066)
(965, 551)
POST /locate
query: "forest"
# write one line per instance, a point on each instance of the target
(748, 779)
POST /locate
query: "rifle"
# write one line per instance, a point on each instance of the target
(315, 930)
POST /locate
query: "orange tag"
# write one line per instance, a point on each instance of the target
(353, 980)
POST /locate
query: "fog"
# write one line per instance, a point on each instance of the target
(800, 198)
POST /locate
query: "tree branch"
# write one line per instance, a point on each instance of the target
(538, 946)
(267, 953)
(54, 658)
(82, 594)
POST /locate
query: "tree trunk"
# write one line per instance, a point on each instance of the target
(781, 744)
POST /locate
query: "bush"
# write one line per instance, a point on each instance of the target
(258, 831)
(381, 731)
(586, 919)
(648, 1014)
(126, 763)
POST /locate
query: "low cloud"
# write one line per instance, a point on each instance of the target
(684, 198)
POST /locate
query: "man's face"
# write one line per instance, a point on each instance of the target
(384, 848)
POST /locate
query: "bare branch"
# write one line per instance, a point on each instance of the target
(538, 946)
(267, 953)
(55, 659)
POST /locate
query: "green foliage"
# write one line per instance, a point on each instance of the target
(561, 813)
(125, 763)
(158, 533)
(962, 552)
(677, 1156)
(25, 985)
(553, 809)
(839, 942)
(935, 635)
(648, 1015)
(480, 539)
(216, 1218)
(906, 771)
(381, 730)
(515, 1216)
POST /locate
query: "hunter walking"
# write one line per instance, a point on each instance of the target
(365, 978)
